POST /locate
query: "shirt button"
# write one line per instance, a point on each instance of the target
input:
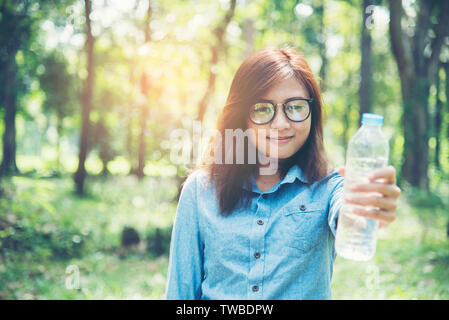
(265, 196)
(257, 255)
(259, 222)
(255, 288)
(302, 207)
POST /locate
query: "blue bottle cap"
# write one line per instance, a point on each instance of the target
(372, 118)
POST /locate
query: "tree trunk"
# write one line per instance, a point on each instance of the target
(143, 126)
(219, 46)
(80, 174)
(322, 46)
(130, 123)
(104, 171)
(216, 50)
(130, 144)
(145, 88)
(365, 90)
(9, 166)
(17, 32)
(437, 122)
(446, 72)
(147, 23)
(346, 121)
(59, 120)
(142, 146)
(417, 72)
(416, 148)
(103, 141)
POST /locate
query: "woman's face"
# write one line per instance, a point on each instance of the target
(281, 138)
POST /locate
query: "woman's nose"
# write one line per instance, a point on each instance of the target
(280, 121)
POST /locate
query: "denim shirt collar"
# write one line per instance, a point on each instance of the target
(293, 173)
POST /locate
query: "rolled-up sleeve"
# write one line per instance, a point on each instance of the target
(185, 267)
(335, 202)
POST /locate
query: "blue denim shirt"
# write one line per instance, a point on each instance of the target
(280, 247)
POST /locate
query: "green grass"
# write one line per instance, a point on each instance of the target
(73, 244)
(96, 267)
(411, 262)
(94, 276)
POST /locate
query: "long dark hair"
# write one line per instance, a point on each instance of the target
(255, 76)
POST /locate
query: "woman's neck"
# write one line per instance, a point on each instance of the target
(267, 181)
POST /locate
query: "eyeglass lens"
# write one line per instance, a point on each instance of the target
(295, 110)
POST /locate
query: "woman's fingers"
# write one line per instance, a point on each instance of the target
(376, 199)
(384, 216)
(384, 203)
(387, 174)
(387, 190)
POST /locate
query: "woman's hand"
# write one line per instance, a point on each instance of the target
(381, 206)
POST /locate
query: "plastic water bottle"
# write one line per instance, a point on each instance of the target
(368, 149)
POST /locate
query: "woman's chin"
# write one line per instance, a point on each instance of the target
(278, 157)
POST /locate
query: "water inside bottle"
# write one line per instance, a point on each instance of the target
(357, 239)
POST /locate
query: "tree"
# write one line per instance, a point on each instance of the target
(103, 142)
(322, 44)
(19, 25)
(417, 58)
(217, 48)
(446, 72)
(446, 90)
(16, 20)
(86, 101)
(438, 119)
(58, 84)
(144, 112)
(365, 90)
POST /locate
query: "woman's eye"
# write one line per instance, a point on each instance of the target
(295, 107)
(263, 110)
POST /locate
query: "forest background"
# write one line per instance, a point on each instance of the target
(94, 94)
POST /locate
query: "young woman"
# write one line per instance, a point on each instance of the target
(244, 233)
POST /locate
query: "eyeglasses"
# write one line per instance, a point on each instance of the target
(295, 109)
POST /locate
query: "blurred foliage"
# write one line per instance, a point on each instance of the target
(57, 231)
(176, 60)
(41, 236)
(30, 223)
(44, 227)
(411, 262)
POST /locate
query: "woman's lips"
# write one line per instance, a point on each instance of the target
(280, 140)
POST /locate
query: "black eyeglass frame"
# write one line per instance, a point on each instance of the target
(284, 105)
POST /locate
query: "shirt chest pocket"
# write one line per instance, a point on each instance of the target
(305, 226)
